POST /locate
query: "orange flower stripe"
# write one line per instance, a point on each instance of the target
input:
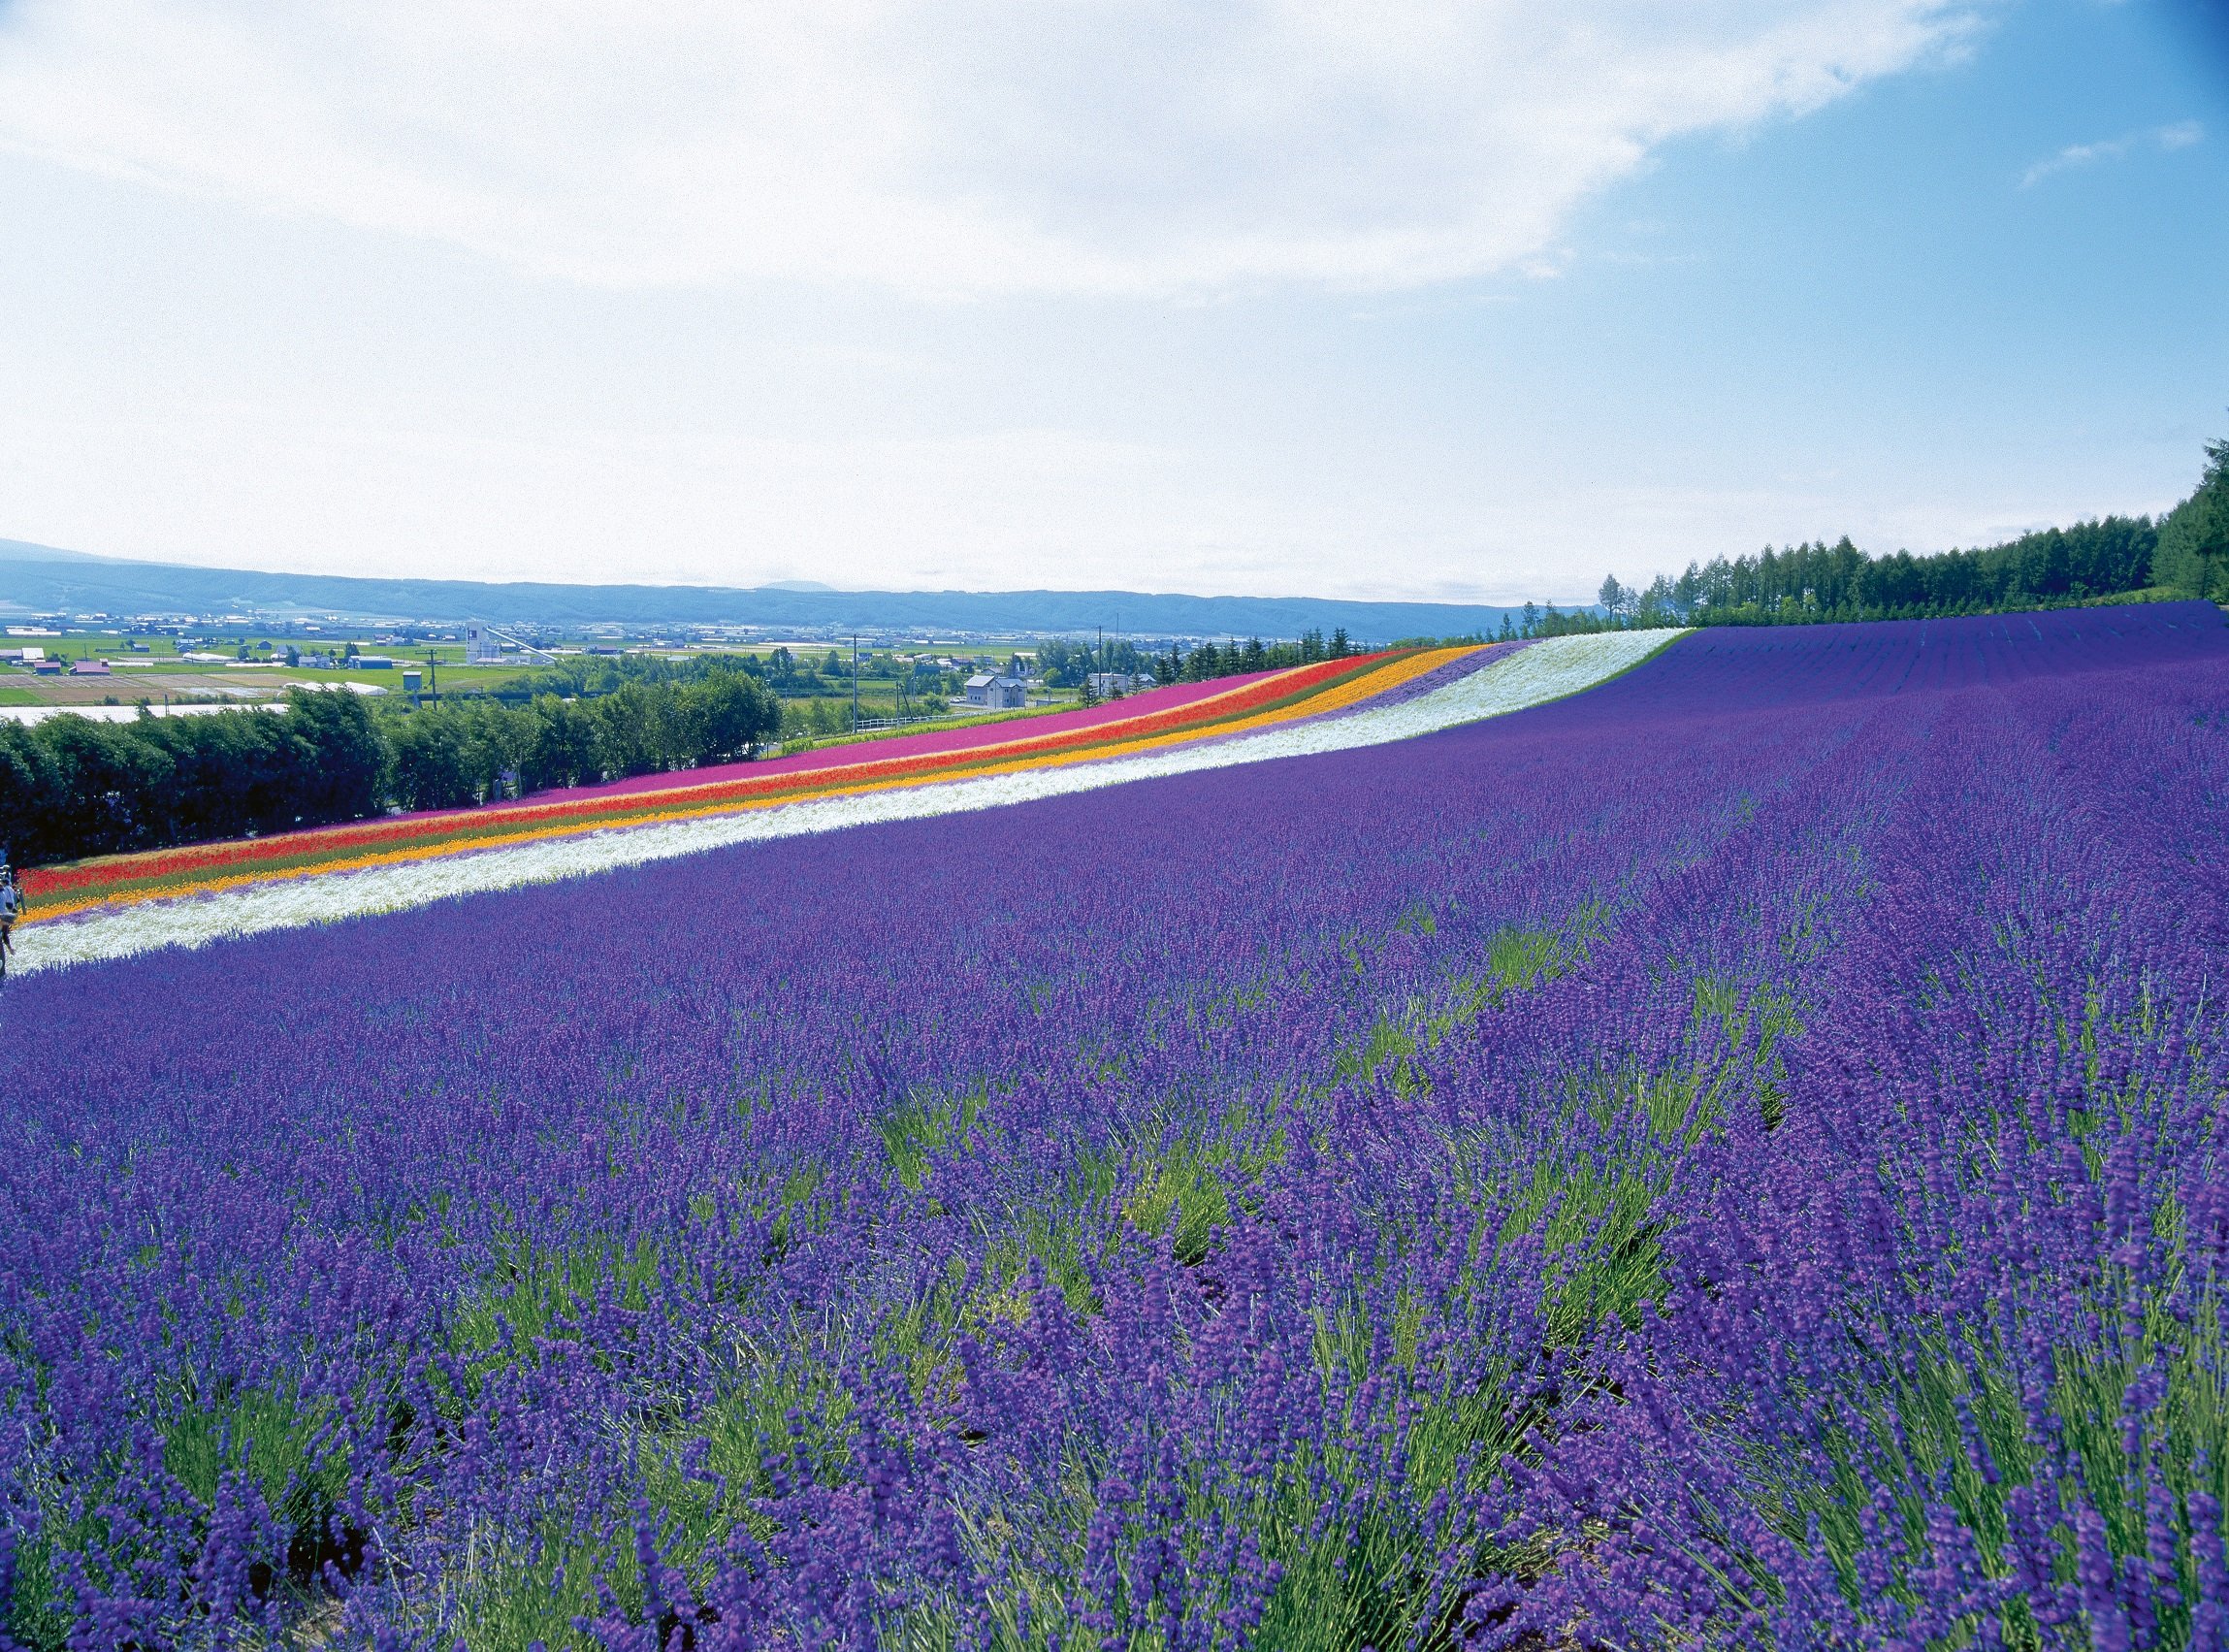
(1309, 691)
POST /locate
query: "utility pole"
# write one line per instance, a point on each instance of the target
(854, 682)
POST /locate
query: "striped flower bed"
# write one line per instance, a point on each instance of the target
(1309, 691)
(1473, 686)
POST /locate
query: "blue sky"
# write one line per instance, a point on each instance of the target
(1475, 302)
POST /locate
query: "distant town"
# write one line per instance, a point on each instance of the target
(110, 666)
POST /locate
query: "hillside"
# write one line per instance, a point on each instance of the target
(1445, 1162)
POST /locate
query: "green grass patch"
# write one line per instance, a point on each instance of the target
(536, 1291)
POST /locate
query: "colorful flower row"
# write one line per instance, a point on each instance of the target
(49, 886)
(329, 841)
(1306, 692)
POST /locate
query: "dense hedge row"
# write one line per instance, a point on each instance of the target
(448, 755)
(71, 788)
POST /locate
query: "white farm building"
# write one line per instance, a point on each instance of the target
(996, 693)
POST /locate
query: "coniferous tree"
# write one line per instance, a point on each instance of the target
(2193, 555)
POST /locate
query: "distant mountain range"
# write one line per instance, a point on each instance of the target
(39, 579)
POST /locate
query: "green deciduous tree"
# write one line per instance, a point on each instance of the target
(560, 747)
(428, 767)
(727, 714)
(347, 758)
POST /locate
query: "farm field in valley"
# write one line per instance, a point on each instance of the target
(1734, 1157)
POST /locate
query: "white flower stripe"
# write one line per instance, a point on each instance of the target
(1547, 670)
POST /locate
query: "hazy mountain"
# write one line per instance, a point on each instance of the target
(22, 550)
(40, 579)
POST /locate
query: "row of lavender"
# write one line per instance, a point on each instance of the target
(1735, 1151)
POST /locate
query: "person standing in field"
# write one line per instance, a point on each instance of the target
(10, 909)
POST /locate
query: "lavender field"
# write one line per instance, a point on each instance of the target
(1737, 1157)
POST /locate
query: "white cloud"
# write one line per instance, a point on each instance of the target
(955, 148)
(2178, 136)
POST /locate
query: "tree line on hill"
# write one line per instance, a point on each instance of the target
(788, 674)
(71, 788)
(806, 688)
(2185, 552)
(1072, 665)
(1234, 659)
